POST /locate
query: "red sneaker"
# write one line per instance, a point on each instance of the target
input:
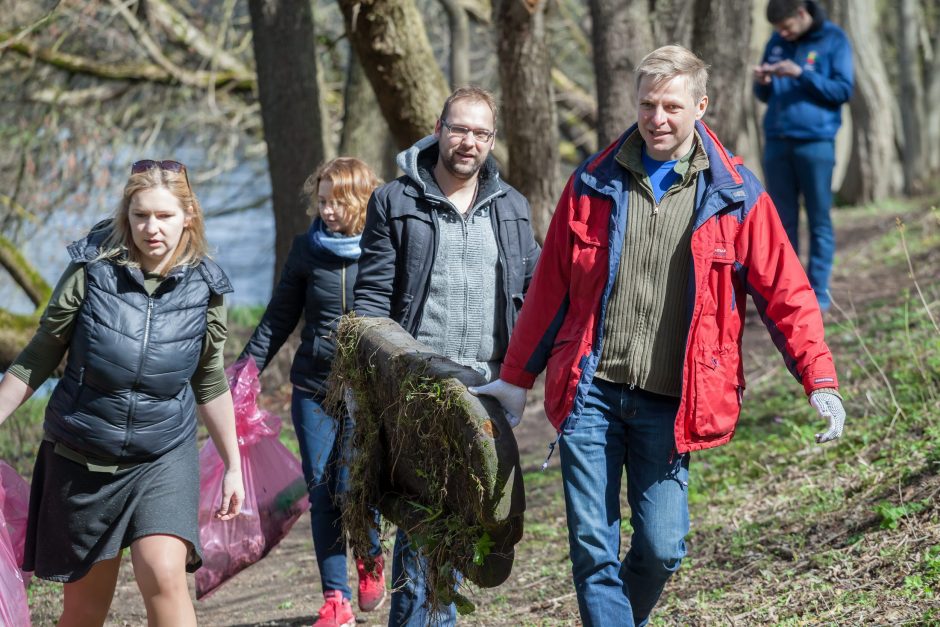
(371, 584)
(336, 611)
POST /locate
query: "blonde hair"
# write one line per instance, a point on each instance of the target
(192, 247)
(473, 94)
(667, 62)
(353, 182)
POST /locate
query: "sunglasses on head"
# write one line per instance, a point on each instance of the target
(148, 164)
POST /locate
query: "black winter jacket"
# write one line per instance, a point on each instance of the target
(401, 237)
(318, 285)
(125, 395)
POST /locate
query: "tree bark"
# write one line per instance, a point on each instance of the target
(24, 274)
(389, 37)
(911, 94)
(459, 42)
(365, 133)
(672, 22)
(721, 36)
(528, 123)
(285, 57)
(873, 171)
(622, 34)
(16, 330)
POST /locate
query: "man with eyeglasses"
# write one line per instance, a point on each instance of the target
(448, 253)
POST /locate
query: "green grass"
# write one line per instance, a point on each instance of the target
(794, 533)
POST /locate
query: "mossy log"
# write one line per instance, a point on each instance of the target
(437, 461)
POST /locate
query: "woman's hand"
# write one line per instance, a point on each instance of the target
(233, 495)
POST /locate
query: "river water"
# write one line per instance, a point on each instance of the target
(241, 242)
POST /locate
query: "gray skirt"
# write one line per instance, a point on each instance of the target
(78, 517)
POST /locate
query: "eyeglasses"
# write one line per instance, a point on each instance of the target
(480, 135)
(149, 164)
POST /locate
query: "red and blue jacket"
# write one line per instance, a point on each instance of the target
(738, 247)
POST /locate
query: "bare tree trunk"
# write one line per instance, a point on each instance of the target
(393, 47)
(912, 114)
(459, 42)
(672, 22)
(285, 57)
(721, 36)
(873, 171)
(932, 135)
(622, 34)
(365, 132)
(528, 120)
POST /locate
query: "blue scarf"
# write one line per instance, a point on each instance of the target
(344, 246)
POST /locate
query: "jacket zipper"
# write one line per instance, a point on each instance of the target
(132, 410)
(342, 287)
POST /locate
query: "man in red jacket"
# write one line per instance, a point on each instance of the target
(636, 311)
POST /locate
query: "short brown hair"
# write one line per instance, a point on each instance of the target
(779, 10)
(474, 94)
(192, 247)
(668, 62)
(353, 182)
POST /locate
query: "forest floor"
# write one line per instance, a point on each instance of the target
(784, 531)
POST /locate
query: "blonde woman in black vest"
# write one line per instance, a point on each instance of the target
(140, 312)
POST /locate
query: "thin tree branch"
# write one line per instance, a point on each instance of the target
(183, 31)
(140, 71)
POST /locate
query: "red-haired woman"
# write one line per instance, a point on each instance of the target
(317, 283)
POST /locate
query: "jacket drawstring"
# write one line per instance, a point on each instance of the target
(551, 449)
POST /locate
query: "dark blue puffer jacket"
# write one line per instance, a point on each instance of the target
(125, 395)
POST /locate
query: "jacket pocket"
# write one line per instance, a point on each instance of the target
(589, 260)
(718, 392)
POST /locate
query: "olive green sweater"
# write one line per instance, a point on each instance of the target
(646, 323)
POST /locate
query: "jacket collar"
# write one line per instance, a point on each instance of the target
(604, 174)
(88, 248)
(418, 161)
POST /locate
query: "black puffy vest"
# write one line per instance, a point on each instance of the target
(125, 394)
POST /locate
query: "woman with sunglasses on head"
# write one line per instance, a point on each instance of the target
(140, 312)
(317, 283)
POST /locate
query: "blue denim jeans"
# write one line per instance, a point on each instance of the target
(799, 167)
(409, 590)
(623, 429)
(321, 455)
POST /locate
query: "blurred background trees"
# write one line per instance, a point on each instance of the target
(253, 94)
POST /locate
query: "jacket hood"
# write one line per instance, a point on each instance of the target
(418, 164)
(819, 17)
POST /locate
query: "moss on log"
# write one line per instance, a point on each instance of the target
(434, 459)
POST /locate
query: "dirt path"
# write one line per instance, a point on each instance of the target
(283, 589)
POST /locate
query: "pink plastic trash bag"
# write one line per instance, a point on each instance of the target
(14, 509)
(275, 490)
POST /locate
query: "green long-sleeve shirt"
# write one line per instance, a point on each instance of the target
(47, 347)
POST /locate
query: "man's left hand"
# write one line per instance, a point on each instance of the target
(829, 407)
(786, 68)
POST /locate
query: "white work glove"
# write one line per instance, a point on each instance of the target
(511, 397)
(829, 407)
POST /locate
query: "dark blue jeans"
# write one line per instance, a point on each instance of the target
(321, 455)
(798, 167)
(622, 429)
(409, 590)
